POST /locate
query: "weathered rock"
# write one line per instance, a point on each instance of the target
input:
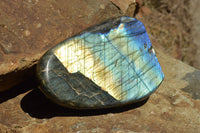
(29, 28)
(175, 106)
(194, 11)
(142, 12)
(125, 5)
(140, 3)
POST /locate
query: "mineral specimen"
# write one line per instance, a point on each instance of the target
(107, 65)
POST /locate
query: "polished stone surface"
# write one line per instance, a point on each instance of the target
(110, 64)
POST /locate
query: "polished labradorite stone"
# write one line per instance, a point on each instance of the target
(110, 64)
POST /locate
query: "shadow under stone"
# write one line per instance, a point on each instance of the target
(37, 105)
(23, 87)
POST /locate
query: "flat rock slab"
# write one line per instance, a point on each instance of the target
(30, 28)
(175, 106)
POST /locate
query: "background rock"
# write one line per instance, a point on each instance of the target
(125, 5)
(174, 25)
(175, 106)
(194, 11)
(29, 28)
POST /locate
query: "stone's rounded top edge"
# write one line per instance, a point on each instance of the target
(109, 24)
(104, 27)
(125, 19)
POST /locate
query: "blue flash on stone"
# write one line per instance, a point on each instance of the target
(110, 64)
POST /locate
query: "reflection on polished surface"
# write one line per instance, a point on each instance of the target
(108, 65)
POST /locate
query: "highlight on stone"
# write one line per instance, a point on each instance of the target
(107, 65)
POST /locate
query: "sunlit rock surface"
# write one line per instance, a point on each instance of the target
(29, 28)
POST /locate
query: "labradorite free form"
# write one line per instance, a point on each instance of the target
(110, 64)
